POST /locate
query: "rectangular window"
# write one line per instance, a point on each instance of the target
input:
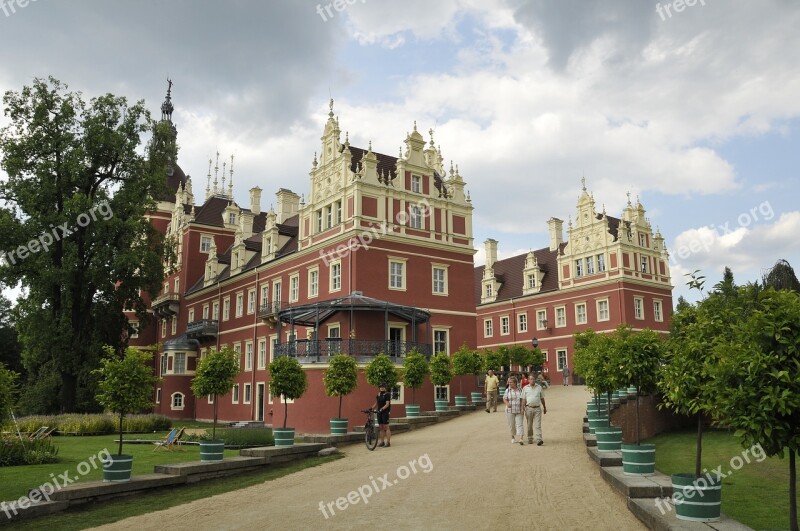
(179, 366)
(205, 311)
(638, 307)
(541, 319)
(561, 317)
(439, 280)
(205, 244)
(442, 392)
(579, 267)
(415, 217)
(505, 329)
(226, 309)
(264, 294)
(313, 283)
(174, 325)
(251, 301)
(276, 294)
(239, 304)
(294, 288)
(561, 359)
(601, 263)
(522, 322)
(247, 392)
(396, 275)
(262, 353)
(440, 343)
(336, 276)
(134, 329)
(642, 239)
(231, 218)
(164, 359)
(531, 281)
(215, 313)
(235, 394)
(657, 313)
(338, 212)
(397, 393)
(602, 310)
(580, 313)
(158, 396)
(328, 217)
(191, 315)
(163, 328)
(319, 220)
(248, 356)
(416, 184)
(489, 291)
(644, 264)
(590, 265)
(488, 329)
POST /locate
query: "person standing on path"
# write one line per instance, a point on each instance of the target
(566, 375)
(535, 406)
(490, 386)
(515, 406)
(383, 404)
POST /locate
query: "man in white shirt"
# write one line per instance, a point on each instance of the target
(535, 405)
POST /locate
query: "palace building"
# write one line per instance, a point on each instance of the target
(608, 272)
(374, 255)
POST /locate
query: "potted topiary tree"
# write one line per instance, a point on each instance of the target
(415, 369)
(463, 364)
(640, 357)
(215, 376)
(340, 379)
(382, 370)
(477, 368)
(441, 374)
(287, 380)
(126, 386)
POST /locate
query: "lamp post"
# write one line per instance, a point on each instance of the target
(535, 343)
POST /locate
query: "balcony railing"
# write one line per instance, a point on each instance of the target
(202, 329)
(167, 304)
(270, 310)
(363, 350)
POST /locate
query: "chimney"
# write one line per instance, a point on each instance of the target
(491, 252)
(288, 204)
(255, 200)
(246, 224)
(556, 232)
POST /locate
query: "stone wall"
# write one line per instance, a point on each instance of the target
(652, 419)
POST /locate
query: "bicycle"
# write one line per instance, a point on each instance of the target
(370, 437)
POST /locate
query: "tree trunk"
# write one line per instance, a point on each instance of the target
(120, 435)
(637, 416)
(69, 390)
(214, 427)
(699, 451)
(340, 406)
(285, 411)
(792, 492)
(608, 407)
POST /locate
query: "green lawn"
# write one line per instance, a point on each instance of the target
(97, 514)
(75, 455)
(757, 494)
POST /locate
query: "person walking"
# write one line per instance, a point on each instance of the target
(490, 386)
(515, 406)
(383, 404)
(566, 374)
(535, 406)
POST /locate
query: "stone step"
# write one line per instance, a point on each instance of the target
(659, 514)
(590, 439)
(604, 458)
(655, 486)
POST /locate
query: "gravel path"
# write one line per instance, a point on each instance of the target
(464, 473)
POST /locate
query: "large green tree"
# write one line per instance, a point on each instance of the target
(81, 178)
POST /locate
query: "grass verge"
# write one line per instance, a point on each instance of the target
(757, 494)
(114, 510)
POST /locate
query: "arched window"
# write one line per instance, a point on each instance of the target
(177, 401)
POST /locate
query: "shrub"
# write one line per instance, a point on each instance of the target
(95, 424)
(14, 452)
(244, 436)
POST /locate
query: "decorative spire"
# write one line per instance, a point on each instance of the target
(430, 132)
(167, 107)
(415, 126)
(230, 183)
(315, 163)
(222, 188)
(629, 198)
(208, 181)
(452, 173)
(216, 173)
(370, 147)
(330, 105)
(347, 139)
(583, 183)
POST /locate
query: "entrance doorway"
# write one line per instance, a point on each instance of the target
(260, 402)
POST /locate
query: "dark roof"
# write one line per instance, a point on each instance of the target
(310, 314)
(210, 213)
(174, 180)
(386, 164)
(509, 272)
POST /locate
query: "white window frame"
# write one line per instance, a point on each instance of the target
(579, 267)
(541, 316)
(531, 280)
(439, 286)
(638, 308)
(191, 315)
(235, 394)
(446, 333)
(226, 308)
(505, 325)
(172, 400)
(522, 322)
(264, 294)
(174, 325)
(658, 310)
(335, 277)
(175, 358)
(559, 365)
(416, 184)
(277, 288)
(240, 304)
(393, 276)
(135, 330)
(313, 282)
(158, 395)
(205, 311)
(248, 355)
(601, 263)
(561, 316)
(415, 217)
(600, 312)
(215, 312)
(590, 265)
(205, 243)
(644, 263)
(437, 388)
(163, 328)
(251, 301)
(488, 328)
(578, 320)
(398, 391)
(247, 397)
(262, 353)
(294, 287)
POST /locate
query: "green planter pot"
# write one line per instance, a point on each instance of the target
(117, 468)
(212, 450)
(696, 500)
(412, 410)
(615, 395)
(639, 459)
(441, 405)
(476, 396)
(339, 426)
(283, 436)
(461, 400)
(632, 391)
(594, 413)
(599, 422)
(608, 439)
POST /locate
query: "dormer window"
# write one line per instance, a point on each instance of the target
(489, 291)
(416, 184)
(232, 219)
(531, 281)
(642, 239)
(205, 244)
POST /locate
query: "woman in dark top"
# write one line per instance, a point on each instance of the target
(383, 404)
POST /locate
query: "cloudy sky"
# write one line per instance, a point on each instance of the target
(693, 110)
